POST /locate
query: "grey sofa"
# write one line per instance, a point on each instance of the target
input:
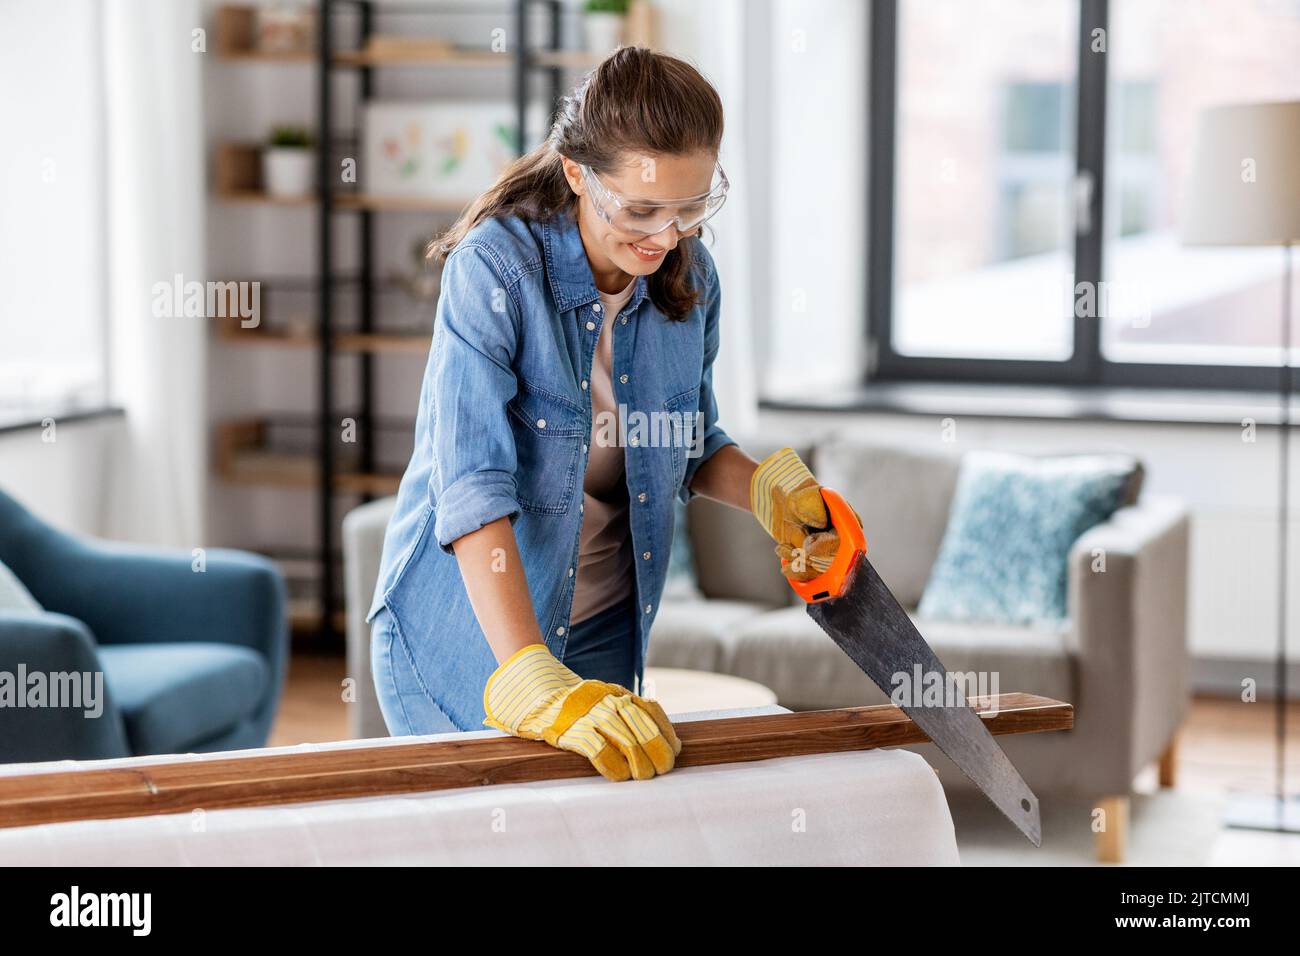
(1121, 659)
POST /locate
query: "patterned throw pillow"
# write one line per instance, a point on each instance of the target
(1004, 557)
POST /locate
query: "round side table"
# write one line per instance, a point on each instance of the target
(682, 691)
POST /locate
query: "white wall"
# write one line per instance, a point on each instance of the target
(156, 203)
(62, 481)
(815, 296)
(716, 39)
(52, 243)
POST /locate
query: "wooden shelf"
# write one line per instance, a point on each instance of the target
(375, 343)
(300, 568)
(470, 59)
(242, 458)
(305, 616)
(380, 203)
(265, 56)
(357, 483)
(237, 178)
(257, 196)
(349, 202)
(455, 58)
(384, 343)
(566, 59)
(283, 470)
(236, 38)
(236, 42)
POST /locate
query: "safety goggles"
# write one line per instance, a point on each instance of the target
(645, 218)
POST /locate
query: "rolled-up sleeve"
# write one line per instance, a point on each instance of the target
(472, 380)
(713, 435)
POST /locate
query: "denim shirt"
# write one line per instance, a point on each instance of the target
(503, 428)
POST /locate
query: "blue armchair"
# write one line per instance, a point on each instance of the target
(191, 660)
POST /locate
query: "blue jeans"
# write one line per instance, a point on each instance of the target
(603, 647)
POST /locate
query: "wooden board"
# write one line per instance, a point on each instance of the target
(224, 783)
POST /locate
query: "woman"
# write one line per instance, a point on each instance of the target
(567, 400)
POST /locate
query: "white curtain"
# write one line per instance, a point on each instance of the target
(712, 37)
(815, 290)
(156, 232)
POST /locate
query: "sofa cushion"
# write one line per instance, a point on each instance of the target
(174, 696)
(679, 584)
(733, 555)
(902, 496)
(1004, 555)
(14, 596)
(695, 634)
(788, 652)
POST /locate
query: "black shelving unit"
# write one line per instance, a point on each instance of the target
(526, 62)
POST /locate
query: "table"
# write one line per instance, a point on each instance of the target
(683, 691)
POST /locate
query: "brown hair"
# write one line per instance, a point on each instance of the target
(635, 100)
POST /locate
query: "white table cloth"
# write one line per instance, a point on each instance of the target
(879, 807)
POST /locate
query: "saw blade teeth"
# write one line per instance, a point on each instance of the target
(879, 636)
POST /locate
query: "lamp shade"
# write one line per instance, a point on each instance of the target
(1244, 188)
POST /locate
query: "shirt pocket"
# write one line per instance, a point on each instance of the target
(682, 409)
(548, 437)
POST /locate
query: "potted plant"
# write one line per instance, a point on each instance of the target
(289, 162)
(602, 24)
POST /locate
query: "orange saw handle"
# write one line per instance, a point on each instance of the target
(853, 542)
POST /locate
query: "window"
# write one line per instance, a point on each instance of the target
(52, 197)
(1173, 297)
(1033, 170)
(983, 167)
(1025, 181)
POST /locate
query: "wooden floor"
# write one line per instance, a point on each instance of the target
(1226, 745)
(313, 708)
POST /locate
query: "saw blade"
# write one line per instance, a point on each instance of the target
(869, 625)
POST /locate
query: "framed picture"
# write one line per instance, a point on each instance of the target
(443, 150)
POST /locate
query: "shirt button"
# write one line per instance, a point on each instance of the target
(541, 423)
(623, 321)
(647, 608)
(641, 497)
(560, 631)
(584, 384)
(570, 572)
(591, 326)
(634, 441)
(623, 378)
(595, 307)
(645, 555)
(584, 448)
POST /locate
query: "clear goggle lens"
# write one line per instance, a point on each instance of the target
(648, 219)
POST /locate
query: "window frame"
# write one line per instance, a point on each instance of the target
(1086, 366)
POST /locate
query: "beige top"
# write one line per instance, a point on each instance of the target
(605, 575)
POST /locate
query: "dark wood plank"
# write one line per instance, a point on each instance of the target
(179, 786)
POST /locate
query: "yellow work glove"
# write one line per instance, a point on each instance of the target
(534, 696)
(787, 501)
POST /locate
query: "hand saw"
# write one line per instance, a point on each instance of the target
(852, 604)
